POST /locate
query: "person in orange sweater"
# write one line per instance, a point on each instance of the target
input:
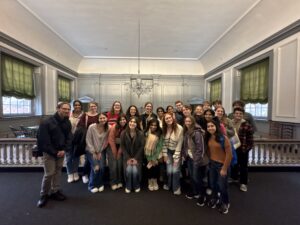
(220, 155)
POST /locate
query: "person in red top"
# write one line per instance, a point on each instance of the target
(114, 153)
(220, 155)
(113, 114)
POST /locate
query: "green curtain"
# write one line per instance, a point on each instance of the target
(254, 82)
(64, 89)
(216, 90)
(17, 78)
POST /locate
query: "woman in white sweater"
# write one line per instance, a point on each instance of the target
(173, 138)
(96, 144)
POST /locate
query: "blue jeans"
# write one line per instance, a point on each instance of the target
(115, 168)
(197, 174)
(72, 163)
(132, 177)
(217, 182)
(173, 172)
(96, 176)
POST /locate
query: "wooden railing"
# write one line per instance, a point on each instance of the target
(17, 152)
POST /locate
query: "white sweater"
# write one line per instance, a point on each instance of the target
(173, 142)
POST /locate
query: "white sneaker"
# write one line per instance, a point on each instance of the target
(70, 178)
(137, 190)
(94, 190)
(114, 187)
(208, 191)
(101, 189)
(243, 187)
(120, 185)
(85, 179)
(177, 192)
(76, 177)
(150, 185)
(155, 185)
(166, 187)
(127, 191)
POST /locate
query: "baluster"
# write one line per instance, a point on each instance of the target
(281, 153)
(9, 153)
(2, 149)
(293, 153)
(15, 155)
(251, 155)
(264, 153)
(22, 154)
(259, 160)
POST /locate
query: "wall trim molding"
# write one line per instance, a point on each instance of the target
(30, 51)
(273, 39)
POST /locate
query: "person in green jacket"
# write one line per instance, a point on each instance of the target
(152, 150)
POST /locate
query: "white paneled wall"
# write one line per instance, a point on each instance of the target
(166, 89)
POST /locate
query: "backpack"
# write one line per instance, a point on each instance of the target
(234, 155)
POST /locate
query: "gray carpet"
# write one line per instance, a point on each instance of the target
(271, 199)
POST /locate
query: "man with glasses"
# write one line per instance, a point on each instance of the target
(54, 139)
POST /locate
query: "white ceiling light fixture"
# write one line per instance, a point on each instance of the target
(138, 85)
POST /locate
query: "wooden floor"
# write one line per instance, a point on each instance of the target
(272, 199)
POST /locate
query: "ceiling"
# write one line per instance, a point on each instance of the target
(169, 29)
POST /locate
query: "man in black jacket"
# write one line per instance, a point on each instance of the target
(54, 139)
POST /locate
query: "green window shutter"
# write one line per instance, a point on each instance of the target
(17, 78)
(64, 89)
(254, 82)
(215, 90)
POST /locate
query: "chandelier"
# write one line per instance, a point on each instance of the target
(138, 85)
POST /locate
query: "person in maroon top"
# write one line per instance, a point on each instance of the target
(85, 121)
(115, 111)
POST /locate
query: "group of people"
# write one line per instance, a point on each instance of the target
(164, 147)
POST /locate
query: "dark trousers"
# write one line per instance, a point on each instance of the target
(241, 168)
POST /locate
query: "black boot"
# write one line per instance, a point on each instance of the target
(43, 201)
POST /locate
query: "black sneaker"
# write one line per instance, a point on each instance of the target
(58, 196)
(212, 203)
(224, 209)
(43, 201)
(201, 201)
(189, 195)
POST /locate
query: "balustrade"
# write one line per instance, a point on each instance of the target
(17, 152)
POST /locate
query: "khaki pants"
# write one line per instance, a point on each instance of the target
(52, 174)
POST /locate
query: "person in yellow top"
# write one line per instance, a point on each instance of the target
(220, 155)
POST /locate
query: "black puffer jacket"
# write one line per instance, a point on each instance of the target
(54, 135)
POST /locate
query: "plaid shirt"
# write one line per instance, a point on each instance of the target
(245, 134)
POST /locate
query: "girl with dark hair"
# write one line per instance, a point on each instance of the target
(96, 142)
(132, 145)
(196, 157)
(147, 115)
(173, 138)
(160, 111)
(114, 153)
(153, 147)
(72, 160)
(220, 155)
(114, 112)
(132, 111)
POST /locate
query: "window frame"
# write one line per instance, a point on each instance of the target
(237, 80)
(36, 66)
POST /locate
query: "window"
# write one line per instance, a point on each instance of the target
(259, 111)
(64, 89)
(15, 106)
(254, 88)
(17, 86)
(216, 90)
